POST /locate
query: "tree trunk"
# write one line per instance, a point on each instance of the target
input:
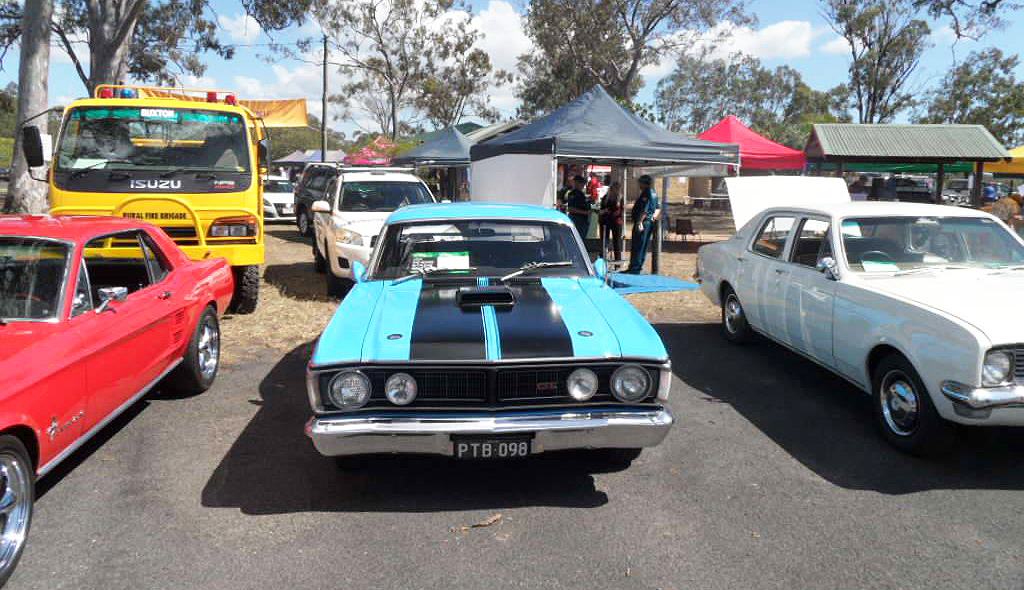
(110, 34)
(24, 194)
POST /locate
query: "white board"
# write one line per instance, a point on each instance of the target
(750, 195)
(514, 178)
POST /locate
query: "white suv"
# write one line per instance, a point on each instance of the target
(349, 219)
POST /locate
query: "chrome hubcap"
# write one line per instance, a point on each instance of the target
(15, 507)
(733, 313)
(209, 349)
(899, 403)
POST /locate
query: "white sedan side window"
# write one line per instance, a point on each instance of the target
(812, 244)
(771, 240)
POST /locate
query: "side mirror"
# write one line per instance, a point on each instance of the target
(321, 207)
(358, 270)
(32, 145)
(829, 268)
(109, 294)
(263, 153)
(601, 268)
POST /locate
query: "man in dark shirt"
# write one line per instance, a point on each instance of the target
(646, 211)
(579, 206)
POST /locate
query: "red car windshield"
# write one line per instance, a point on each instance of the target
(31, 277)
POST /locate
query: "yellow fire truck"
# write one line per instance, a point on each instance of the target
(190, 161)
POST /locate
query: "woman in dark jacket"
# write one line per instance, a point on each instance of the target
(611, 218)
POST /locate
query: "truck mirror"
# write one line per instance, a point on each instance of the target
(32, 145)
(263, 153)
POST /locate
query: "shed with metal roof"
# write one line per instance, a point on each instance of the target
(942, 144)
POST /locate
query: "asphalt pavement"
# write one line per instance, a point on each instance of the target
(773, 477)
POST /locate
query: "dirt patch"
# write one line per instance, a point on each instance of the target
(294, 307)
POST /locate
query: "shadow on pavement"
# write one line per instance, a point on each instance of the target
(826, 423)
(286, 231)
(272, 468)
(298, 281)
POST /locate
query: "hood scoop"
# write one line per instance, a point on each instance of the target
(475, 297)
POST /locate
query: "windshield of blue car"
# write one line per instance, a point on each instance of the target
(892, 244)
(382, 196)
(31, 277)
(478, 248)
(158, 139)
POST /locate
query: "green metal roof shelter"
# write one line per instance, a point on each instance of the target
(943, 145)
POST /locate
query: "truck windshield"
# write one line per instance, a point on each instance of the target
(31, 277)
(153, 139)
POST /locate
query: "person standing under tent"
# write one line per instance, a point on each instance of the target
(593, 187)
(611, 218)
(646, 211)
(578, 206)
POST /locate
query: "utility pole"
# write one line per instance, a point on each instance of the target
(323, 115)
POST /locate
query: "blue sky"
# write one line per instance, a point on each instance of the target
(787, 33)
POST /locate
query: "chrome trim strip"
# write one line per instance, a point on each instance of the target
(117, 412)
(485, 364)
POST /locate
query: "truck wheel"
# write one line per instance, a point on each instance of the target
(17, 478)
(247, 289)
(198, 369)
(304, 222)
(734, 320)
(319, 262)
(337, 286)
(904, 410)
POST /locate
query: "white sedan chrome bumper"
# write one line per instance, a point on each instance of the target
(431, 433)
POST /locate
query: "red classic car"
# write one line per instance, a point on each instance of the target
(93, 313)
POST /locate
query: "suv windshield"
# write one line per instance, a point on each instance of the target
(31, 276)
(153, 139)
(886, 244)
(382, 195)
(277, 186)
(479, 248)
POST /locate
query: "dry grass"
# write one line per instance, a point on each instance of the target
(294, 307)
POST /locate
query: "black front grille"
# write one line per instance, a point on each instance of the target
(183, 235)
(373, 240)
(1018, 364)
(491, 386)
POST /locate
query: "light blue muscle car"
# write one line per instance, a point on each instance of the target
(484, 331)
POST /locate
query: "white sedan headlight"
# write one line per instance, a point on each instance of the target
(349, 390)
(630, 383)
(400, 389)
(997, 368)
(347, 236)
(582, 384)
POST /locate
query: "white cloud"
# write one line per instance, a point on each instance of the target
(785, 39)
(504, 40)
(240, 27)
(837, 46)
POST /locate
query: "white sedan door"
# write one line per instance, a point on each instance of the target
(323, 223)
(810, 294)
(770, 274)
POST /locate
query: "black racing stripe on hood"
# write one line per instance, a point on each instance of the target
(532, 328)
(441, 331)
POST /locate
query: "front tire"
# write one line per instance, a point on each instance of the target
(734, 320)
(247, 289)
(17, 495)
(304, 222)
(904, 411)
(198, 369)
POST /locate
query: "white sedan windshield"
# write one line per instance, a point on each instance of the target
(892, 244)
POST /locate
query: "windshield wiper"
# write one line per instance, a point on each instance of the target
(921, 269)
(80, 171)
(174, 171)
(1007, 268)
(532, 266)
(428, 271)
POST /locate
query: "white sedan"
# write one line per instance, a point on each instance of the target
(918, 305)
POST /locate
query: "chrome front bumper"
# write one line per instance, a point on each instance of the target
(431, 433)
(981, 398)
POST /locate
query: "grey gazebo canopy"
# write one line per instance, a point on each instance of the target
(596, 127)
(449, 148)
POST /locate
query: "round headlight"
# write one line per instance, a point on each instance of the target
(400, 389)
(349, 390)
(997, 368)
(630, 383)
(582, 384)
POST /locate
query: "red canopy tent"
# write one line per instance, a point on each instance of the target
(756, 152)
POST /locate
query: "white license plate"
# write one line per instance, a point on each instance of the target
(491, 448)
